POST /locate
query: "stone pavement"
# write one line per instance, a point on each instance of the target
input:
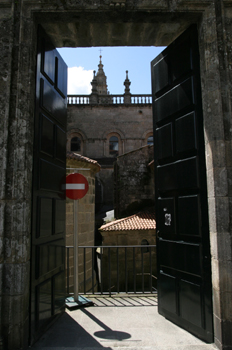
(131, 323)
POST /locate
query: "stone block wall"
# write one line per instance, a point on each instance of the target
(134, 181)
(133, 262)
(95, 123)
(85, 220)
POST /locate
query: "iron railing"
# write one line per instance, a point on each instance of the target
(114, 269)
(110, 99)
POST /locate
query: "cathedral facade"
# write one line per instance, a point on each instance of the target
(102, 126)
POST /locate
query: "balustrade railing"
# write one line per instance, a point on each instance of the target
(109, 99)
(113, 269)
(78, 99)
(141, 99)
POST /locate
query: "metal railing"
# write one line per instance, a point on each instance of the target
(114, 269)
(110, 99)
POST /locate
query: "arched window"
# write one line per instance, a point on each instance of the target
(150, 140)
(146, 244)
(113, 146)
(75, 144)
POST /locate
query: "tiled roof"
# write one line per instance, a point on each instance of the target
(141, 221)
(76, 156)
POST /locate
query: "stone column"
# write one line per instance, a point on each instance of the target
(6, 26)
(215, 51)
(17, 110)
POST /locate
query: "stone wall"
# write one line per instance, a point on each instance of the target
(96, 23)
(94, 124)
(134, 181)
(133, 262)
(85, 221)
(132, 123)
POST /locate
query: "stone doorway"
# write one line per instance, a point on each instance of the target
(73, 23)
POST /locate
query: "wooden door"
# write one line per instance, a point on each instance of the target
(183, 249)
(49, 170)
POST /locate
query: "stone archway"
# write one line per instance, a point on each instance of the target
(122, 22)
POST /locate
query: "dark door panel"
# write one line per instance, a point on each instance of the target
(182, 174)
(173, 101)
(183, 249)
(49, 170)
(53, 102)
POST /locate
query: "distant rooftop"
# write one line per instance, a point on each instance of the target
(144, 220)
(76, 156)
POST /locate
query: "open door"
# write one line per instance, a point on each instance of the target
(48, 217)
(183, 249)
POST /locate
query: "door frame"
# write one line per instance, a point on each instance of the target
(214, 135)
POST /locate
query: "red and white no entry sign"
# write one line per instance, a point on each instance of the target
(76, 186)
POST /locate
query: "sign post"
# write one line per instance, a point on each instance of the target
(75, 252)
(76, 188)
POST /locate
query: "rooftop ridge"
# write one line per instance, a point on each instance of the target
(77, 156)
(144, 220)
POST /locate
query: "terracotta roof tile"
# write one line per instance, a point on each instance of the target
(76, 156)
(140, 221)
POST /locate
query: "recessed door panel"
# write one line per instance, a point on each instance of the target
(48, 58)
(161, 72)
(44, 300)
(167, 296)
(181, 257)
(190, 303)
(45, 217)
(47, 136)
(187, 173)
(189, 219)
(59, 216)
(182, 174)
(60, 144)
(186, 133)
(51, 176)
(173, 101)
(53, 102)
(180, 64)
(58, 291)
(183, 247)
(164, 136)
(166, 179)
(188, 258)
(61, 76)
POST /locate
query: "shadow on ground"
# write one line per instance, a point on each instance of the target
(67, 333)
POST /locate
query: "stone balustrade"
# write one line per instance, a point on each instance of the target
(109, 99)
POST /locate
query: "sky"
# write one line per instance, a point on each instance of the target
(116, 60)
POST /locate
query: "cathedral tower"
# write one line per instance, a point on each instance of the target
(101, 80)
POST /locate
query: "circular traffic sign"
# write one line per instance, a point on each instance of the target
(76, 186)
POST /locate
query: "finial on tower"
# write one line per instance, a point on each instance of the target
(127, 94)
(127, 83)
(100, 55)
